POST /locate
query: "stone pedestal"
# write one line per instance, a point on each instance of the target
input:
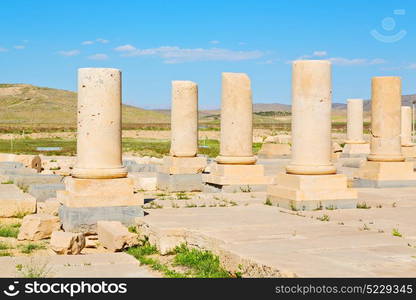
(379, 174)
(269, 150)
(356, 150)
(98, 189)
(385, 166)
(312, 192)
(183, 165)
(236, 162)
(311, 181)
(86, 201)
(355, 145)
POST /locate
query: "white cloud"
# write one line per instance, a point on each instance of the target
(87, 42)
(98, 56)
(19, 47)
(320, 53)
(69, 53)
(102, 41)
(411, 66)
(3, 49)
(215, 42)
(174, 54)
(127, 47)
(341, 61)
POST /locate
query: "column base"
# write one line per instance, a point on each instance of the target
(385, 174)
(183, 165)
(237, 175)
(104, 173)
(269, 150)
(355, 150)
(179, 182)
(86, 201)
(312, 192)
(409, 152)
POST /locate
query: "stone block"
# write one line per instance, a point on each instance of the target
(44, 191)
(67, 242)
(269, 150)
(15, 204)
(179, 182)
(11, 165)
(114, 236)
(237, 174)
(146, 181)
(38, 226)
(99, 192)
(49, 206)
(309, 192)
(84, 219)
(409, 152)
(24, 181)
(356, 150)
(183, 165)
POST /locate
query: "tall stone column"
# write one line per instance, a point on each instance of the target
(235, 168)
(184, 119)
(355, 121)
(385, 166)
(311, 118)
(98, 189)
(310, 181)
(385, 119)
(181, 170)
(99, 124)
(236, 120)
(406, 126)
(355, 145)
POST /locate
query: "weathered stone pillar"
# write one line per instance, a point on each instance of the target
(310, 181)
(355, 121)
(98, 189)
(184, 119)
(236, 120)
(385, 166)
(355, 145)
(311, 118)
(406, 126)
(408, 148)
(235, 168)
(385, 119)
(181, 170)
(99, 124)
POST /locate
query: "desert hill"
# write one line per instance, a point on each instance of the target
(28, 104)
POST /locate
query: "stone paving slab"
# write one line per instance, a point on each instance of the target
(77, 266)
(261, 240)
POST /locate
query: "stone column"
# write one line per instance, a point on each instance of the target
(385, 119)
(236, 120)
(184, 119)
(355, 121)
(406, 126)
(311, 118)
(99, 124)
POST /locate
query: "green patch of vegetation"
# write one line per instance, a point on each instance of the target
(9, 230)
(30, 247)
(395, 232)
(22, 214)
(7, 182)
(4, 246)
(203, 264)
(324, 218)
(55, 168)
(132, 229)
(363, 205)
(245, 189)
(153, 205)
(268, 202)
(182, 196)
(33, 270)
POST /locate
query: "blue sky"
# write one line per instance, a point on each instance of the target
(153, 42)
